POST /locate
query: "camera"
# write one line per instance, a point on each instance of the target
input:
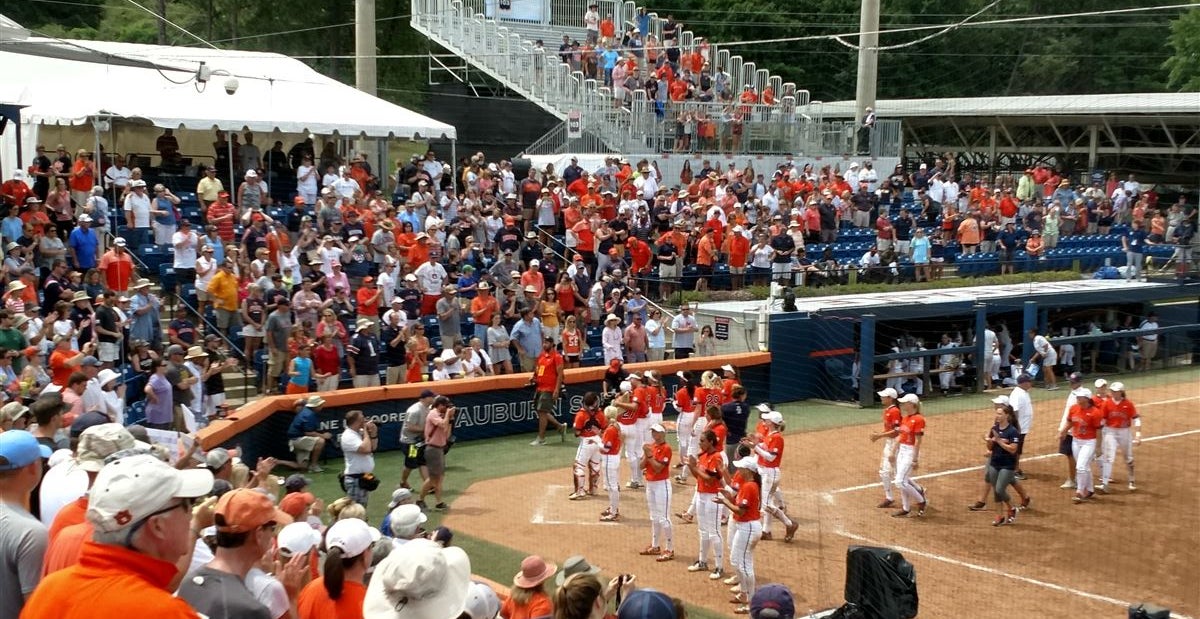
(231, 85)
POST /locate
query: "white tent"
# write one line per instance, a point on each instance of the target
(82, 82)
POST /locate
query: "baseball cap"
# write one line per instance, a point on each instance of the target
(14, 411)
(647, 604)
(1082, 392)
(298, 538)
(217, 458)
(1118, 386)
(658, 427)
(1100, 383)
(400, 496)
(887, 393)
(352, 536)
(244, 510)
(405, 519)
(427, 393)
(772, 602)
(1024, 378)
(19, 449)
(99, 442)
(296, 482)
(774, 417)
(910, 398)
(1000, 399)
(425, 581)
(482, 602)
(1076, 377)
(87, 420)
(129, 490)
(294, 503)
(749, 462)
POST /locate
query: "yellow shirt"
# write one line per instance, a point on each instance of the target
(223, 288)
(208, 188)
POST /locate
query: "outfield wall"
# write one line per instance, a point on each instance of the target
(488, 407)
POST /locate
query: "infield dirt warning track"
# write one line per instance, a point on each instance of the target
(1058, 560)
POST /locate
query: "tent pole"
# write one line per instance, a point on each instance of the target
(229, 146)
(454, 166)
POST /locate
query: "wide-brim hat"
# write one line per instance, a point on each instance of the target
(534, 571)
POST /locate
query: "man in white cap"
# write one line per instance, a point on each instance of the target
(403, 522)
(362, 355)
(141, 509)
(84, 244)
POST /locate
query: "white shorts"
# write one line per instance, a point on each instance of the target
(109, 351)
(250, 331)
(671, 271)
(1050, 360)
(781, 268)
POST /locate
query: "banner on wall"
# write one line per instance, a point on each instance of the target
(518, 10)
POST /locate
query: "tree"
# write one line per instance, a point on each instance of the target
(1183, 68)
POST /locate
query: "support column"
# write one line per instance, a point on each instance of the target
(992, 153)
(982, 354)
(364, 46)
(1093, 147)
(1029, 321)
(866, 360)
(868, 59)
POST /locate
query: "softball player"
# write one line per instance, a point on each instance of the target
(627, 420)
(708, 467)
(909, 433)
(1119, 415)
(686, 406)
(747, 529)
(768, 450)
(657, 468)
(1085, 420)
(1064, 441)
(710, 421)
(887, 461)
(656, 396)
(589, 425)
(610, 464)
(642, 397)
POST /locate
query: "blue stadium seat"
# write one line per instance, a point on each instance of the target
(594, 335)
(720, 277)
(592, 357)
(187, 293)
(135, 413)
(432, 329)
(166, 278)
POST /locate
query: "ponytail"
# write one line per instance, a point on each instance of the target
(335, 572)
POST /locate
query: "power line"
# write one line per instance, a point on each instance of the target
(172, 24)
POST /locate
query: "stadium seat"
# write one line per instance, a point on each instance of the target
(592, 357)
(594, 335)
(166, 278)
(432, 328)
(135, 413)
(720, 277)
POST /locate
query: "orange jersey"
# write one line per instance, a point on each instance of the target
(911, 427)
(590, 423)
(657, 397)
(720, 430)
(660, 453)
(1119, 414)
(772, 444)
(610, 442)
(711, 462)
(891, 418)
(546, 373)
(761, 431)
(706, 397)
(642, 396)
(684, 402)
(627, 417)
(748, 500)
(727, 389)
(572, 342)
(1085, 422)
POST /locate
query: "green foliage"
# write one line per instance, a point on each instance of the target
(1184, 66)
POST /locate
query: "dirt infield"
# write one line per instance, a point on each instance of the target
(1059, 559)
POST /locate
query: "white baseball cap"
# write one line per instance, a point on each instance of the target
(298, 538)
(1117, 387)
(1000, 399)
(749, 462)
(352, 536)
(774, 417)
(887, 393)
(658, 427)
(727, 368)
(482, 602)
(405, 520)
(910, 398)
(626, 386)
(1083, 392)
(1100, 382)
(129, 490)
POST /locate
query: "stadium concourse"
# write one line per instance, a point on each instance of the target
(487, 273)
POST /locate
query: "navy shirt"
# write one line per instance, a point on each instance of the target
(1137, 240)
(305, 421)
(1008, 240)
(736, 415)
(1001, 459)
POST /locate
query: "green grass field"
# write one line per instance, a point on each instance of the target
(475, 461)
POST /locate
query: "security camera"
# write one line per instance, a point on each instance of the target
(231, 85)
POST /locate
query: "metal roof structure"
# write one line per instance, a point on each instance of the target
(1134, 104)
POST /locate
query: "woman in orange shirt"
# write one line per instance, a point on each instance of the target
(340, 592)
(572, 342)
(528, 598)
(747, 529)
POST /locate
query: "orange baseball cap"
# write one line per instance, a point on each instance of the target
(244, 510)
(295, 503)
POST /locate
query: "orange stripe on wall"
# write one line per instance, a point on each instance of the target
(833, 352)
(255, 412)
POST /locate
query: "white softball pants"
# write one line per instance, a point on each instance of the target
(587, 462)
(610, 466)
(708, 523)
(683, 436)
(643, 430)
(886, 470)
(910, 491)
(658, 504)
(741, 553)
(771, 498)
(1114, 439)
(632, 440)
(1085, 449)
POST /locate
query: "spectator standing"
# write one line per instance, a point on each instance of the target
(449, 315)
(223, 291)
(145, 308)
(84, 244)
(186, 244)
(526, 335)
(208, 189)
(276, 329)
(636, 340)
(305, 438)
(439, 425)
(548, 383)
(684, 328)
(612, 338)
(362, 355)
(137, 212)
(23, 538)
(359, 441)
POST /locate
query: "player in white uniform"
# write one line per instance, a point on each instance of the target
(1043, 352)
(887, 461)
(708, 467)
(656, 463)
(590, 423)
(769, 451)
(1121, 419)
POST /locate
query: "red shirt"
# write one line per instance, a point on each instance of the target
(117, 269)
(748, 499)
(224, 228)
(326, 361)
(710, 462)
(1116, 415)
(367, 307)
(911, 427)
(719, 429)
(739, 249)
(611, 441)
(572, 342)
(660, 453)
(71, 514)
(314, 601)
(891, 418)
(683, 401)
(598, 422)
(706, 397)
(60, 372)
(1085, 422)
(545, 376)
(642, 396)
(773, 443)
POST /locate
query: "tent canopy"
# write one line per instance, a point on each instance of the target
(75, 82)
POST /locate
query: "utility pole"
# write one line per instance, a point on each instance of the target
(162, 22)
(365, 78)
(868, 59)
